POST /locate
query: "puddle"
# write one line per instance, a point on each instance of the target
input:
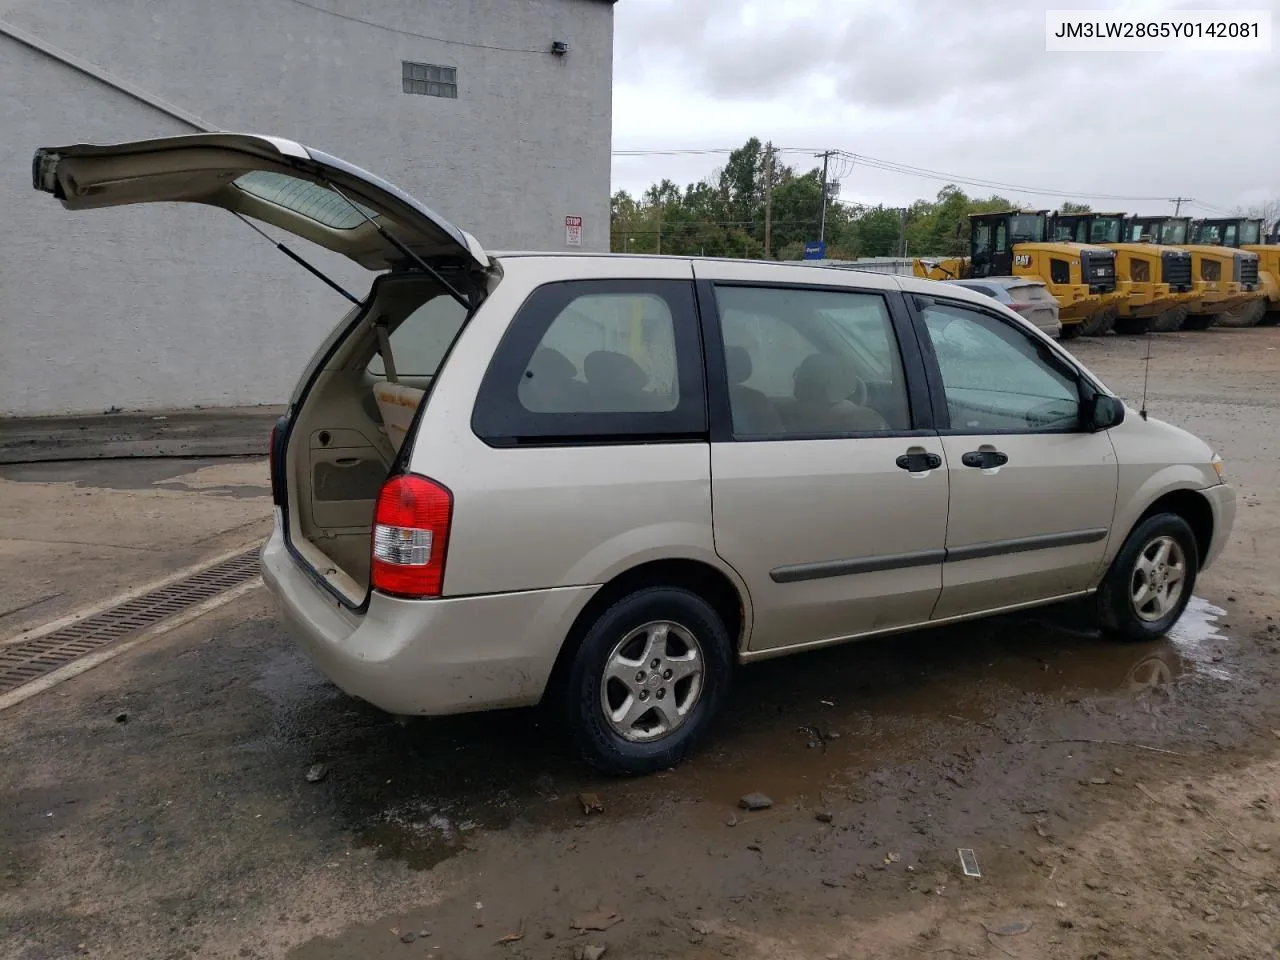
(801, 729)
(1198, 638)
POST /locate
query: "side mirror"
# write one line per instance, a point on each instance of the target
(1102, 412)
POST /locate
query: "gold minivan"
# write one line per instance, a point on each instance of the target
(605, 482)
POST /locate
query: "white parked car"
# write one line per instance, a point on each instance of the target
(607, 481)
(1025, 296)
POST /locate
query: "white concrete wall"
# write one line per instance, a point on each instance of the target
(171, 307)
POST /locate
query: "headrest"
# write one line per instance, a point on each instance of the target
(823, 379)
(737, 363)
(614, 371)
(549, 364)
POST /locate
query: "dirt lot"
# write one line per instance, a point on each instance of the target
(1121, 801)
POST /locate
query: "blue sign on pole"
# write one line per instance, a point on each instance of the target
(815, 250)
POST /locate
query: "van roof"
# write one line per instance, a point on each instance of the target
(906, 284)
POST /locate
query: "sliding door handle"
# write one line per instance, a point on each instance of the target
(919, 461)
(984, 459)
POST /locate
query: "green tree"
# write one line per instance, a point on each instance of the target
(878, 231)
(724, 215)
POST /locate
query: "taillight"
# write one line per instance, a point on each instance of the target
(410, 536)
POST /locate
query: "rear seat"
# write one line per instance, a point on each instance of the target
(397, 404)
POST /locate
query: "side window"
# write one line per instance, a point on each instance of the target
(621, 348)
(995, 377)
(810, 363)
(596, 360)
(419, 343)
(1002, 237)
(758, 335)
(982, 238)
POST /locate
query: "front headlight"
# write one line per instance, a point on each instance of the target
(1216, 462)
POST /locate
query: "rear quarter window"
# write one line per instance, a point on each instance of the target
(596, 361)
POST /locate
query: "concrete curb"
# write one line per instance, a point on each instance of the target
(221, 432)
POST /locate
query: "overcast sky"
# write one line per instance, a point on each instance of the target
(957, 86)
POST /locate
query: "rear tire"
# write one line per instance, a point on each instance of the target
(1150, 581)
(648, 679)
(1246, 316)
(1169, 321)
(1132, 326)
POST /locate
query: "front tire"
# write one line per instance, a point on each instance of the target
(1150, 581)
(1100, 324)
(650, 675)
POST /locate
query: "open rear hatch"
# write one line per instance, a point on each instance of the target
(349, 418)
(308, 193)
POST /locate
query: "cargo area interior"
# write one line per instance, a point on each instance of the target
(349, 426)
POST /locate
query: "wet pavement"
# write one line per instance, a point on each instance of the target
(1076, 769)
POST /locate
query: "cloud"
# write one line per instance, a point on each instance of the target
(964, 87)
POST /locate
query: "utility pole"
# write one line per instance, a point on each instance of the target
(768, 200)
(826, 156)
(1178, 202)
(660, 227)
(902, 236)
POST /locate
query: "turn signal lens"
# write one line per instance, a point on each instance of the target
(1216, 462)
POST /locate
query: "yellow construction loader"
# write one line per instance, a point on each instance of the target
(1249, 234)
(1081, 277)
(1155, 280)
(1225, 280)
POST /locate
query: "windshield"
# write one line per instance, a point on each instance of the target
(1251, 232)
(1210, 233)
(1026, 228)
(1173, 232)
(1105, 230)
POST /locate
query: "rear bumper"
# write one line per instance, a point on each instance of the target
(1213, 297)
(1222, 500)
(1075, 303)
(1139, 299)
(426, 657)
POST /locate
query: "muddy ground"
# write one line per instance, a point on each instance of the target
(1121, 801)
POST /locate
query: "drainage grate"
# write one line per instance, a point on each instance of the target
(27, 660)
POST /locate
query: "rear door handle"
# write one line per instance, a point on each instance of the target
(919, 461)
(984, 459)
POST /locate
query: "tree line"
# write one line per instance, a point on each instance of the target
(755, 206)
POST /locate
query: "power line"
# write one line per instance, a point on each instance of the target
(698, 151)
(674, 226)
(420, 36)
(926, 173)
(903, 169)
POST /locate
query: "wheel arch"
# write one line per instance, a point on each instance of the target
(728, 598)
(1194, 507)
